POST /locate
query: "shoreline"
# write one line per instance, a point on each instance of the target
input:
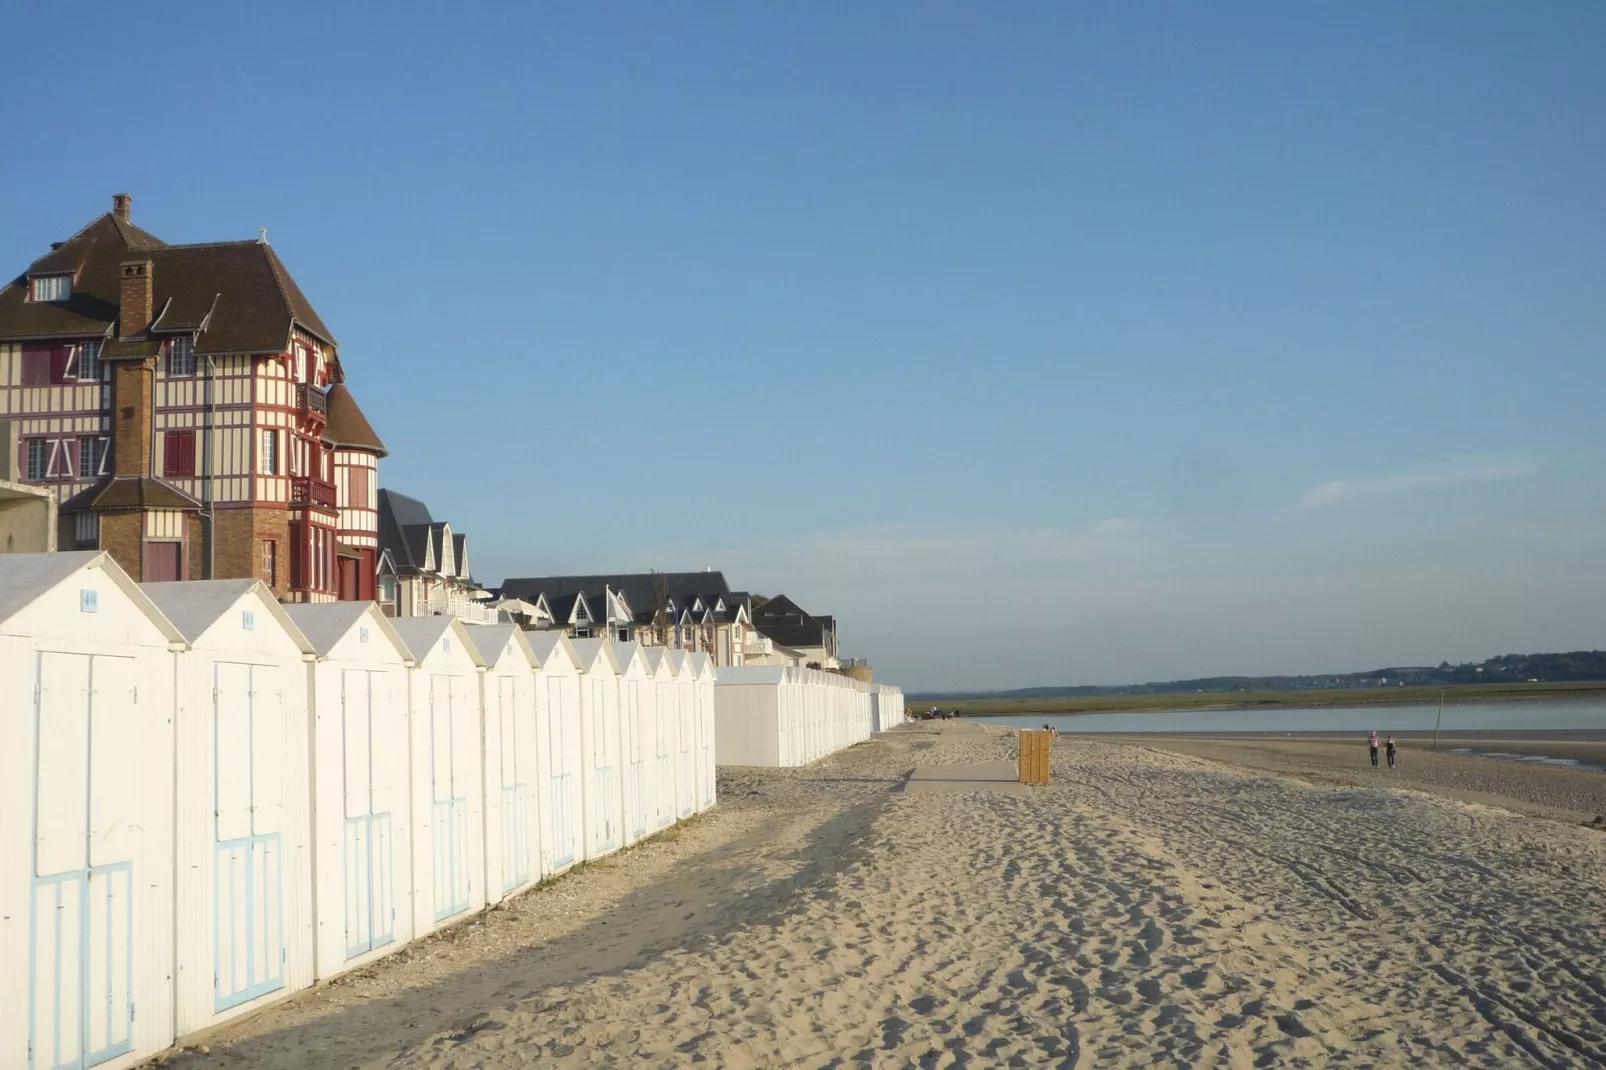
(983, 708)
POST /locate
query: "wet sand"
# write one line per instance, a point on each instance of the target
(1573, 795)
(1148, 907)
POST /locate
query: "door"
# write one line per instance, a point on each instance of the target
(605, 778)
(635, 761)
(515, 817)
(368, 857)
(686, 781)
(248, 894)
(163, 561)
(561, 783)
(449, 818)
(86, 790)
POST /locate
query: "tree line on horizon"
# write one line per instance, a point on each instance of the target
(1573, 667)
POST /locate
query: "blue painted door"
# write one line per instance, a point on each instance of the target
(86, 786)
(248, 889)
(369, 863)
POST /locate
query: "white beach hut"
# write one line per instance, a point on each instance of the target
(637, 727)
(662, 743)
(704, 675)
(558, 727)
(512, 801)
(753, 721)
(684, 741)
(361, 783)
(86, 814)
(243, 817)
(448, 791)
(603, 791)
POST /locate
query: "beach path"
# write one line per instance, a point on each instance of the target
(1145, 908)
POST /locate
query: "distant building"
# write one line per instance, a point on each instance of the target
(800, 637)
(424, 566)
(698, 610)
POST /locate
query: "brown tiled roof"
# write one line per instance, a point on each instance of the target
(237, 294)
(348, 427)
(129, 492)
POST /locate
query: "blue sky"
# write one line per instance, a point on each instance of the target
(1039, 343)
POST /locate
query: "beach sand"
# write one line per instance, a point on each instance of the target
(1149, 907)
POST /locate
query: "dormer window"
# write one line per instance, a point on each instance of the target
(52, 287)
(180, 357)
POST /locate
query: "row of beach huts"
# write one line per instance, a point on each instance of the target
(223, 800)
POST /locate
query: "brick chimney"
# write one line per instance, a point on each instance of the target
(137, 299)
(133, 382)
(122, 204)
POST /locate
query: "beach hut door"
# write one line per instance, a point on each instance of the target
(450, 798)
(368, 857)
(87, 769)
(605, 785)
(636, 773)
(686, 782)
(561, 774)
(248, 912)
(515, 809)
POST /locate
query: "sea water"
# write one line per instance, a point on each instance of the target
(1540, 716)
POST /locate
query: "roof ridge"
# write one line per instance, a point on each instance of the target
(211, 244)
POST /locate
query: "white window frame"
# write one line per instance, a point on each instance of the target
(181, 358)
(51, 288)
(86, 357)
(37, 467)
(268, 459)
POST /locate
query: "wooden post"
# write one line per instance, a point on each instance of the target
(1034, 751)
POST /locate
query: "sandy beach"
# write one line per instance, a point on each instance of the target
(1155, 905)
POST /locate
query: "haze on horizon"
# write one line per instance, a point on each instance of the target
(1041, 345)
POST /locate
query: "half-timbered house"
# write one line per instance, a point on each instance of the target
(186, 406)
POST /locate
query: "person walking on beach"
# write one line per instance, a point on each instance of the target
(1391, 752)
(1371, 743)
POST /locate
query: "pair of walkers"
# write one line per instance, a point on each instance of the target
(1373, 743)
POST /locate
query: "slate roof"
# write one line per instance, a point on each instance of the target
(238, 295)
(195, 605)
(348, 428)
(404, 525)
(636, 587)
(784, 621)
(129, 492)
(26, 577)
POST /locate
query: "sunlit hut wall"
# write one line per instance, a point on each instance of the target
(661, 744)
(637, 721)
(361, 819)
(447, 787)
(684, 743)
(512, 789)
(86, 814)
(704, 675)
(243, 816)
(559, 765)
(601, 748)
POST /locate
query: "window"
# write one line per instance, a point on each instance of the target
(270, 453)
(270, 562)
(38, 459)
(387, 588)
(91, 457)
(86, 530)
(89, 367)
(181, 357)
(164, 561)
(300, 371)
(178, 454)
(52, 287)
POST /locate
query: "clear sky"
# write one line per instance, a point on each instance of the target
(1040, 342)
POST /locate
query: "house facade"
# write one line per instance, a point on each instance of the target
(691, 611)
(176, 401)
(794, 636)
(424, 566)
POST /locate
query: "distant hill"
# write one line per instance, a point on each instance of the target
(1579, 665)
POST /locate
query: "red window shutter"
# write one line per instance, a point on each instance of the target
(178, 454)
(58, 363)
(36, 362)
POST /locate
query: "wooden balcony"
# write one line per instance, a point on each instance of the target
(312, 401)
(304, 490)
